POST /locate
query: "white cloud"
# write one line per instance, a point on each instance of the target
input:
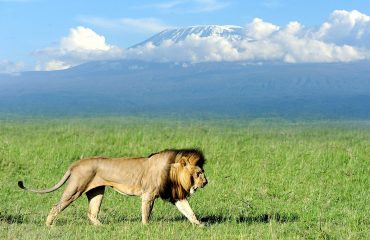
(81, 45)
(10, 67)
(163, 5)
(146, 24)
(52, 65)
(189, 6)
(344, 37)
(142, 25)
(84, 39)
(344, 27)
(271, 3)
(259, 29)
(193, 48)
(209, 5)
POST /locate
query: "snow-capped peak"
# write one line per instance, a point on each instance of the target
(230, 32)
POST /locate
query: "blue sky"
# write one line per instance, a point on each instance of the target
(32, 29)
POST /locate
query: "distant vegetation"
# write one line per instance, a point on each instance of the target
(267, 179)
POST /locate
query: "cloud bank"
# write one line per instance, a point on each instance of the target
(343, 37)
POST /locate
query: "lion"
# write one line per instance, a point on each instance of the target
(172, 175)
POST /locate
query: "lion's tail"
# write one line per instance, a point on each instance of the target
(58, 185)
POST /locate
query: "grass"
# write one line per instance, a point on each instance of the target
(267, 179)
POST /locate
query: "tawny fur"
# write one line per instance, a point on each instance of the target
(169, 174)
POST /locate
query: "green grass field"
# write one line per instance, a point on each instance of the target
(267, 179)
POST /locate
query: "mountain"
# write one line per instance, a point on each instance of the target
(261, 89)
(229, 32)
(330, 90)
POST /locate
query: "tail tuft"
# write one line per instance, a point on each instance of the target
(20, 184)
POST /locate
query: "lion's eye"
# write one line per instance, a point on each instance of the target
(198, 174)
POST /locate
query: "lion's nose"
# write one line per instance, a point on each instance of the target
(205, 183)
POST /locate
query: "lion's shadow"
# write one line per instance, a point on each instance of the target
(208, 219)
(216, 219)
(250, 219)
(11, 218)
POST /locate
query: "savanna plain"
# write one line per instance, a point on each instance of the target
(268, 179)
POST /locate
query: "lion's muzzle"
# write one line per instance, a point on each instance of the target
(205, 183)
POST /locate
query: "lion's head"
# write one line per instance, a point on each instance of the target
(197, 176)
(186, 174)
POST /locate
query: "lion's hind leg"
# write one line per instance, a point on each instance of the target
(95, 197)
(74, 189)
(65, 201)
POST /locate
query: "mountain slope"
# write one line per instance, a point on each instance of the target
(239, 89)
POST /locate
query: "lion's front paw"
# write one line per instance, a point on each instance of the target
(201, 224)
(49, 224)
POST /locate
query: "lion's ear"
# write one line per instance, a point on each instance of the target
(193, 160)
(196, 160)
(184, 161)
